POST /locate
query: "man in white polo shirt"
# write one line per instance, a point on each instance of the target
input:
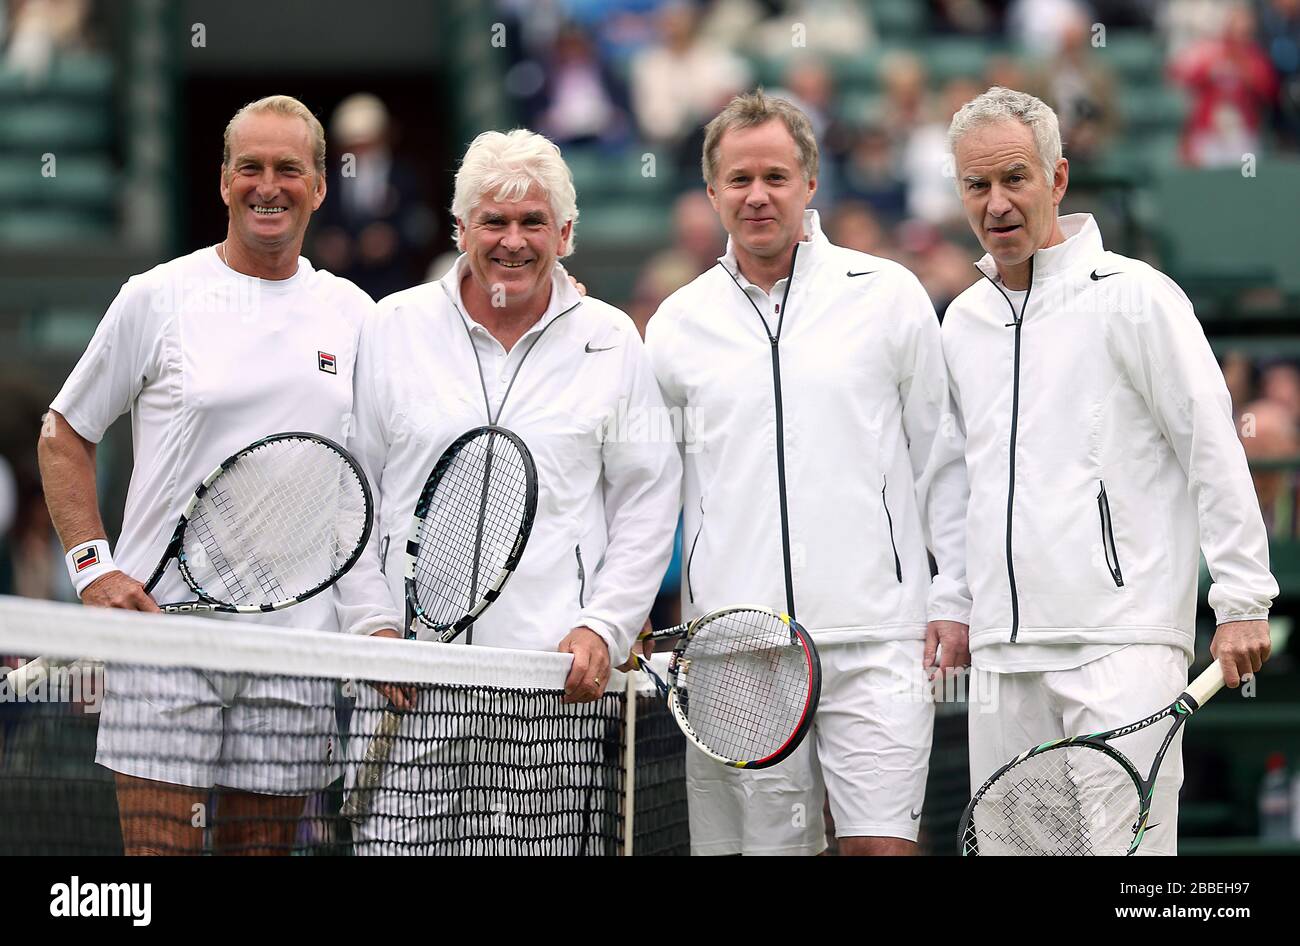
(208, 353)
(505, 338)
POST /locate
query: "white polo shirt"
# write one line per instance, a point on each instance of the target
(208, 360)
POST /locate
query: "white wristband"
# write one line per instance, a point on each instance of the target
(89, 561)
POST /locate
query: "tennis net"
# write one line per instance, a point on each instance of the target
(489, 761)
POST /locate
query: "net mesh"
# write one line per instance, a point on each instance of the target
(1069, 801)
(743, 682)
(188, 735)
(476, 511)
(275, 525)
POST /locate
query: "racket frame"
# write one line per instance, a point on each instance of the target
(446, 633)
(357, 802)
(1209, 682)
(175, 546)
(679, 668)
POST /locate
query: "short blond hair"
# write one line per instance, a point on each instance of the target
(753, 109)
(290, 107)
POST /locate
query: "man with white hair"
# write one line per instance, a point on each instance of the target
(1102, 458)
(505, 338)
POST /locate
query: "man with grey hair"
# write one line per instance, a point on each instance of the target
(1102, 459)
(210, 352)
(816, 475)
(505, 338)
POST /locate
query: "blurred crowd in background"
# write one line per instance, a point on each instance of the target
(1200, 83)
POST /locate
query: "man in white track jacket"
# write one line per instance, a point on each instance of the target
(1102, 456)
(812, 390)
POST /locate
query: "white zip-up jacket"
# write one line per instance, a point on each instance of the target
(1101, 453)
(815, 467)
(607, 491)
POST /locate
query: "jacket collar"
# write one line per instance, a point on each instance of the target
(811, 248)
(563, 294)
(1082, 243)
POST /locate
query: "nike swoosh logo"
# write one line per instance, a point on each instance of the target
(915, 814)
(591, 351)
(1103, 275)
(868, 272)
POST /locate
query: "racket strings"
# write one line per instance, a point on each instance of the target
(475, 515)
(1069, 801)
(278, 523)
(744, 684)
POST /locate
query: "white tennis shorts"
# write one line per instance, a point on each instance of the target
(1021, 710)
(270, 735)
(869, 749)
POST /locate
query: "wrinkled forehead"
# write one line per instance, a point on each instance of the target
(269, 135)
(768, 146)
(995, 147)
(506, 202)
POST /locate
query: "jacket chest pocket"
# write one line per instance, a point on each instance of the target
(1108, 538)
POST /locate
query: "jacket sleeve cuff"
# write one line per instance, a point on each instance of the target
(610, 635)
(375, 622)
(1226, 615)
(948, 601)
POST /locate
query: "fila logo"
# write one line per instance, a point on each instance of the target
(327, 362)
(86, 558)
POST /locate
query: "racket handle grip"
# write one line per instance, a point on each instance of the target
(1207, 684)
(664, 634)
(643, 664)
(357, 805)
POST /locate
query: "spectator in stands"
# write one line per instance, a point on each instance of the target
(1279, 30)
(926, 163)
(1187, 22)
(809, 86)
(1037, 26)
(904, 80)
(871, 174)
(42, 29)
(377, 228)
(1269, 432)
(1080, 89)
(1233, 88)
(963, 17)
(839, 27)
(1280, 383)
(697, 241)
(1239, 376)
(581, 100)
(1005, 72)
(679, 80)
(942, 266)
(851, 224)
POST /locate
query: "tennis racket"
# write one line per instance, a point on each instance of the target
(470, 528)
(273, 525)
(1075, 796)
(743, 684)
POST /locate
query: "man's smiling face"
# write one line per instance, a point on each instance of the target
(513, 245)
(271, 186)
